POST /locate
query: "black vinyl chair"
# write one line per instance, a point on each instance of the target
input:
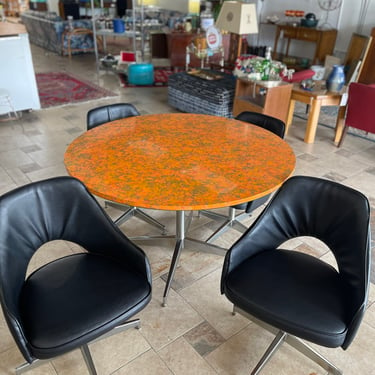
(101, 115)
(295, 295)
(73, 300)
(232, 220)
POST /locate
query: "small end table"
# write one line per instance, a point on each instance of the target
(316, 98)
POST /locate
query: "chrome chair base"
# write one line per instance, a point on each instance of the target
(230, 221)
(134, 211)
(293, 341)
(136, 323)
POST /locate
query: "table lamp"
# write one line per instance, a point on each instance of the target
(239, 19)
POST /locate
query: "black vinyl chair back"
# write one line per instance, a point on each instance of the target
(270, 123)
(333, 213)
(275, 126)
(101, 115)
(57, 209)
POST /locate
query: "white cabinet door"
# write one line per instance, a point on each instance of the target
(17, 72)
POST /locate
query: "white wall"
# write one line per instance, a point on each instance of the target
(346, 19)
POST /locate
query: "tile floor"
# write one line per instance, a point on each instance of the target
(196, 333)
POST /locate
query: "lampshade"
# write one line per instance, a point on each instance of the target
(194, 6)
(238, 18)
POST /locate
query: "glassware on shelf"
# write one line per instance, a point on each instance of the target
(207, 17)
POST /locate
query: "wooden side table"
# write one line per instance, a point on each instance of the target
(316, 98)
(265, 97)
(324, 39)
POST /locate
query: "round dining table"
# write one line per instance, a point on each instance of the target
(180, 162)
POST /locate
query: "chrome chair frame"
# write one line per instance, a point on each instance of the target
(135, 323)
(295, 342)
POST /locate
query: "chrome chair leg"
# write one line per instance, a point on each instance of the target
(276, 343)
(29, 366)
(135, 323)
(88, 359)
(311, 353)
(293, 341)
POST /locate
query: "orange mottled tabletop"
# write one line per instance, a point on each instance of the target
(179, 161)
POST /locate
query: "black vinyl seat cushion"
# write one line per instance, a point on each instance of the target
(78, 297)
(294, 292)
(297, 295)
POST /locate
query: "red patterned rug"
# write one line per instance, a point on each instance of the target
(63, 88)
(161, 75)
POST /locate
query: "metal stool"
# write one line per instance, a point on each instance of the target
(6, 101)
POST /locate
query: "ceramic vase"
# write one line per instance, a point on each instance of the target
(336, 79)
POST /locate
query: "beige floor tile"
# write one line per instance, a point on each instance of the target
(6, 182)
(239, 354)
(12, 358)
(358, 358)
(369, 317)
(162, 325)
(70, 363)
(111, 353)
(6, 341)
(49, 172)
(148, 363)
(364, 182)
(182, 359)
(14, 158)
(47, 253)
(19, 175)
(204, 295)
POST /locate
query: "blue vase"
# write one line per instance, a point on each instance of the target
(336, 79)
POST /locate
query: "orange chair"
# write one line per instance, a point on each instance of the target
(360, 109)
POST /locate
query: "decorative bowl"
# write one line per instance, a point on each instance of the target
(309, 22)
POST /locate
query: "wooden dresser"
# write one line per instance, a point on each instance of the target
(324, 39)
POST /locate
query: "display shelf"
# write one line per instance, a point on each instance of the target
(268, 97)
(137, 28)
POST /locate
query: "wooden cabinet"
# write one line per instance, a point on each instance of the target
(324, 39)
(267, 97)
(13, 8)
(177, 43)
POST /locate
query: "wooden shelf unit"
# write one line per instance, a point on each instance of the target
(265, 97)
